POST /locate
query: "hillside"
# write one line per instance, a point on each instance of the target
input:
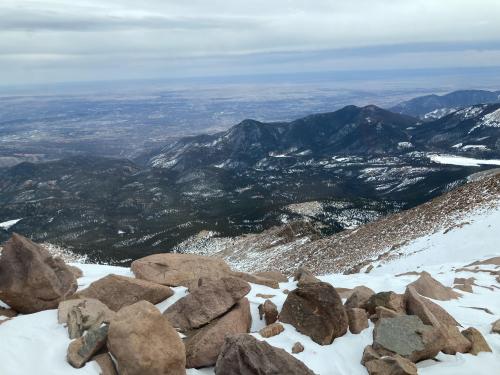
(474, 207)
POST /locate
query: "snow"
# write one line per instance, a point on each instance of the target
(462, 160)
(9, 223)
(37, 344)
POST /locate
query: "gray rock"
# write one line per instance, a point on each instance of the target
(81, 350)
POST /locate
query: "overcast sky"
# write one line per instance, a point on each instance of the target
(64, 40)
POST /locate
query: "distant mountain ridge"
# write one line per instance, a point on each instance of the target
(430, 107)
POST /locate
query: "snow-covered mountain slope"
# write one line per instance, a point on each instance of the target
(36, 343)
(474, 206)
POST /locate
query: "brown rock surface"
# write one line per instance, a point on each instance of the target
(179, 269)
(206, 303)
(316, 310)
(358, 320)
(143, 342)
(297, 348)
(396, 365)
(495, 261)
(77, 272)
(369, 354)
(477, 340)
(359, 297)
(273, 275)
(455, 341)
(268, 311)
(272, 330)
(495, 326)
(92, 309)
(303, 277)
(427, 286)
(389, 300)
(106, 364)
(244, 354)
(117, 291)
(31, 280)
(430, 312)
(203, 346)
(256, 279)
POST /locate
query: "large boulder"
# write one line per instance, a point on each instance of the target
(427, 286)
(244, 354)
(105, 363)
(31, 280)
(179, 269)
(119, 291)
(142, 342)
(316, 310)
(206, 303)
(359, 296)
(407, 336)
(395, 365)
(203, 345)
(358, 320)
(81, 350)
(430, 312)
(389, 300)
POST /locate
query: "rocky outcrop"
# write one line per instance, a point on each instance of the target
(179, 269)
(407, 336)
(272, 330)
(203, 346)
(244, 354)
(427, 286)
(143, 342)
(395, 365)
(81, 350)
(358, 320)
(206, 303)
(31, 280)
(316, 310)
(477, 340)
(359, 296)
(117, 291)
(268, 311)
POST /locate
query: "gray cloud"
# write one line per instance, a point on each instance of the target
(57, 40)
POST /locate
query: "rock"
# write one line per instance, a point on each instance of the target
(359, 296)
(358, 320)
(256, 279)
(297, 348)
(495, 327)
(464, 281)
(106, 364)
(477, 340)
(389, 300)
(495, 261)
(344, 293)
(272, 330)
(265, 296)
(8, 313)
(268, 311)
(143, 342)
(31, 280)
(203, 346)
(77, 272)
(396, 365)
(179, 269)
(117, 291)
(81, 350)
(369, 354)
(429, 312)
(316, 310)
(92, 310)
(206, 303)
(455, 341)
(407, 336)
(244, 354)
(383, 312)
(427, 286)
(303, 277)
(273, 275)
(464, 288)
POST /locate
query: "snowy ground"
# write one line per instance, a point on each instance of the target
(36, 344)
(462, 160)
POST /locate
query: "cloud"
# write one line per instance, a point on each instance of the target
(45, 40)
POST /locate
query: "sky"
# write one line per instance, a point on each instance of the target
(44, 41)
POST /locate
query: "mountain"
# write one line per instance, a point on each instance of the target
(449, 221)
(352, 130)
(431, 107)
